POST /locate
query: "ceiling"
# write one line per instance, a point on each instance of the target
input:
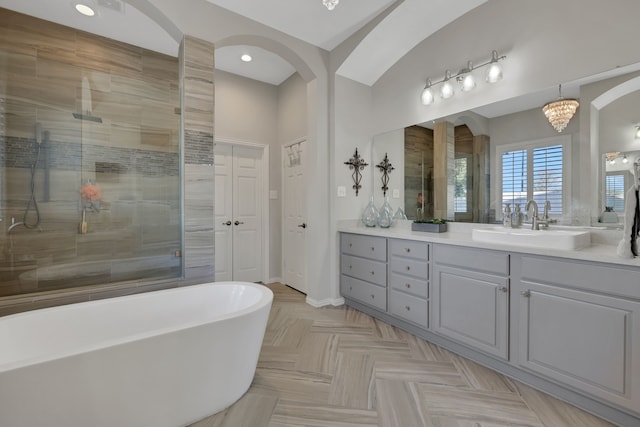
(307, 20)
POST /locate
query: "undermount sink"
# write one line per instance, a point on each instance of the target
(547, 239)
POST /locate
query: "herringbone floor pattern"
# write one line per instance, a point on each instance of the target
(340, 367)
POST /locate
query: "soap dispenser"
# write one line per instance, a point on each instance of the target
(516, 217)
(506, 215)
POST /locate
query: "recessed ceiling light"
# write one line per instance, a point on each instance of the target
(246, 57)
(84, 9)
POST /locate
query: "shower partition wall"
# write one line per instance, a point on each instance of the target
(89, 168)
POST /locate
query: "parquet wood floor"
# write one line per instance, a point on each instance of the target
(338, 367)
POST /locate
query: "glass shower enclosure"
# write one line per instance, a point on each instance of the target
(89, 174)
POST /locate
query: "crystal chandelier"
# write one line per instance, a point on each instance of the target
(561, 111)
(330, 4)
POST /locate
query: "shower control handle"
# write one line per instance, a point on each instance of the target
(238, 222)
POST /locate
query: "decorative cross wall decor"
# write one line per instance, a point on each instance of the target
(357, 164)
(386, 168)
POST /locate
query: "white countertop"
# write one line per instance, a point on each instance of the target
(602, 249)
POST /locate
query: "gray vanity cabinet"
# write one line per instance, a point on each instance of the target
(578, 326)
(470, 297)
(409, 280)
(363, 269)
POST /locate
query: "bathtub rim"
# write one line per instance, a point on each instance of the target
(265, 300)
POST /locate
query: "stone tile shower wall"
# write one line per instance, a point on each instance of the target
(47, 71)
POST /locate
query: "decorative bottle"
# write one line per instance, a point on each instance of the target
(385, 214)
(506, 215)
(370, 214)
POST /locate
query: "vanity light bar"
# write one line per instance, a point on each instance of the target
(464, 78)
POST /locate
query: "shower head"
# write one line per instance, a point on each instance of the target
(87, 117)
(38, 133)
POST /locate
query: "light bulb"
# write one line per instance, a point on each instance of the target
(446, 91)
(494, 73)
(84, 9)
(625, 160)
(467, 83)
(612, 161)
(637, 134)
(427, 94)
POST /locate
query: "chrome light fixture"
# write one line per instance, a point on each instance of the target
(494, 73)
(560, 112)
(465, 79)
(330, 4)
(427, 94)
(446, 91)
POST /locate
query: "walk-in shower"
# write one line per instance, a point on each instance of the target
(94, 138)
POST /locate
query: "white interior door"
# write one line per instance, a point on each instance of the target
(238, 236)
(223, 225)
(294, 216)
(247, 223)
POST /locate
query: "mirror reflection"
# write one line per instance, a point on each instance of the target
(465, 167)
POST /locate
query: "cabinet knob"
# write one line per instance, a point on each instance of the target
(408, 285)
(350, 288)
(350, 244)
(407, 307)
(408, 268)
(525, 294)
(503, 289)
(373, 273)
(373, 296)
(373, 248)
(350, 267)
(407, 249)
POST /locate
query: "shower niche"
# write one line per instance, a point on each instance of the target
(89, 165)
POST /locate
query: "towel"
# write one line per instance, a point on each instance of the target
(628, 246)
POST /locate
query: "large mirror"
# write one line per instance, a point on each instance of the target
(477, 160)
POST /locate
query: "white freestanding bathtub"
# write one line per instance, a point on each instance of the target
(165, 358)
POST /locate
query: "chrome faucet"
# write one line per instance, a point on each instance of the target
(13, 225)
(534, 219)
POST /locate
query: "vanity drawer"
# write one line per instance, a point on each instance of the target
(364, 269)
(488, 261)
(364, 246)
(409, 249)
(410, 285)
(409, 307)
(364, 292)
(410, 267)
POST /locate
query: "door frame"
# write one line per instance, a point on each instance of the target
(264, 197)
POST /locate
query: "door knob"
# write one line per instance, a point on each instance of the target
(303, 225)
(226, 223)
(238, 222)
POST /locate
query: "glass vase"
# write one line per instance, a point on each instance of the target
(370, 214)
(385, 214)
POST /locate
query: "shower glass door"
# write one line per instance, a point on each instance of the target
(89, 170)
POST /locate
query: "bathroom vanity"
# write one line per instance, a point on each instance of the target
(564, 321)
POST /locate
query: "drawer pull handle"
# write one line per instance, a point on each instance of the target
(408, 285)
(503, 289)
(408, 250)
(526, 294)
(408, 268)
(407, 307)
(373, 296)
(373, 248)
(373, 273)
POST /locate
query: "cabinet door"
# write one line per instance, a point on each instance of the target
(471, 308)
(582, 339)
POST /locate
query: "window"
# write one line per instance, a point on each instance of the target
(614, 192)
(537, 171)
(460, 196)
